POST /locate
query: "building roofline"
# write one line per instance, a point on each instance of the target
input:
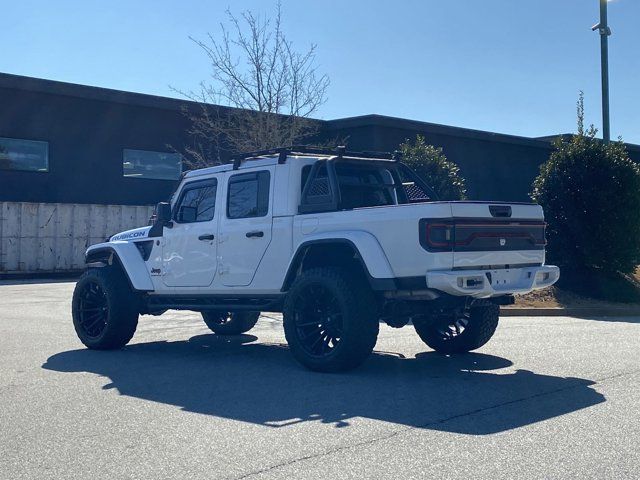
(436, 128)
(41, 85)
(87, 92)
(634, 147)
(551, 138)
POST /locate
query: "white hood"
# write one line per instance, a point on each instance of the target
(131, 235)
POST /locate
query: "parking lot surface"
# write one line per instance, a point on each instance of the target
(548, 397)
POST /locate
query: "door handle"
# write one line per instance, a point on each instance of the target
(256, 234)
(207, 236)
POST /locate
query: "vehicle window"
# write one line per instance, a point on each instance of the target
(248, 195)
(306, 170)
(364, 186)
(197, 202)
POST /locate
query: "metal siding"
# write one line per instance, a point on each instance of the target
(52, 237)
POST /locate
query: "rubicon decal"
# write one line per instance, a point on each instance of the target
(130, 235)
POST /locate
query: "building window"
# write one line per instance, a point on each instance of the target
(156, 165)
(248, 195)
(30, 155)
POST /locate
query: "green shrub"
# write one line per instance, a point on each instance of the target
(590, 193)
(432, 165)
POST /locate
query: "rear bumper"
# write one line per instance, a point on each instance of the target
(490, 283)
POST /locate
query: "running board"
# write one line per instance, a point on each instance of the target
(269, 303)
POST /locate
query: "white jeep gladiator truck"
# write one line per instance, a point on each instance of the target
(337, 241)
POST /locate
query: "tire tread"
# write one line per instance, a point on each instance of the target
(362, 328)
(482, 325)
(123, 309)
(242, 322)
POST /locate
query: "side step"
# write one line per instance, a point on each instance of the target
(270, 303)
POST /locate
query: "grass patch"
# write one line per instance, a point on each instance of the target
(611, 287)
(590, 288)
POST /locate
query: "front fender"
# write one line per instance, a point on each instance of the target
(365, 243)
(130, 259)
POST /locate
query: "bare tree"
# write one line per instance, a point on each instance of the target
(271, 87)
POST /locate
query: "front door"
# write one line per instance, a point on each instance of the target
(189, 248)
(245, 227)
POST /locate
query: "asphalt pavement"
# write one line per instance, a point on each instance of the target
(548, 397)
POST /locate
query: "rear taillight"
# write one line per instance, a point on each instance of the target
(481, 235)
(437, 235)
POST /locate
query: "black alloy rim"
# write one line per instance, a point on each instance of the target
(223, 319)
(452, 329)
(93, 309)
(318, 320)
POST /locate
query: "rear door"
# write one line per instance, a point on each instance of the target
(189, 247)
(246, 225)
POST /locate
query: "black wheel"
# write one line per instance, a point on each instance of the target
(330, 320)
(459, 333)
(230, 323)
(104, 309)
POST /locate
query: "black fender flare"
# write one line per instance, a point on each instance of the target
(303, 248)
(127, 257)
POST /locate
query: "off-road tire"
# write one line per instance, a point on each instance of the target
(482, 324)
(104, 301)
(230, 323)
(355, 306)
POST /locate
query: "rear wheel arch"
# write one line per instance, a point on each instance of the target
(339, 252)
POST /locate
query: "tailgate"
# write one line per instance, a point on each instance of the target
(489, 235)
(488, 210)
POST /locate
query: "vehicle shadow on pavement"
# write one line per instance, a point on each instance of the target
(238, 379)
(610, 318)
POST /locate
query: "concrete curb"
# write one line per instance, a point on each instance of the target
(584, 312)
(61, 275)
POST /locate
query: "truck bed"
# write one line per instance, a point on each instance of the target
(422, 237)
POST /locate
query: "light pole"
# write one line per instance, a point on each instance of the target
(604, 31)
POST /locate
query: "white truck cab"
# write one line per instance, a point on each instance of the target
(335, 240)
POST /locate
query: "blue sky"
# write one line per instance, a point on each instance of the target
(510, 66)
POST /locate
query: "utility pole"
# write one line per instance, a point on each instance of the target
(604, 31)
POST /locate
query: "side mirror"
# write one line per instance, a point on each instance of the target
(161, 218)
(163, 213)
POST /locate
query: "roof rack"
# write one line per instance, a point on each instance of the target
(306, 150)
